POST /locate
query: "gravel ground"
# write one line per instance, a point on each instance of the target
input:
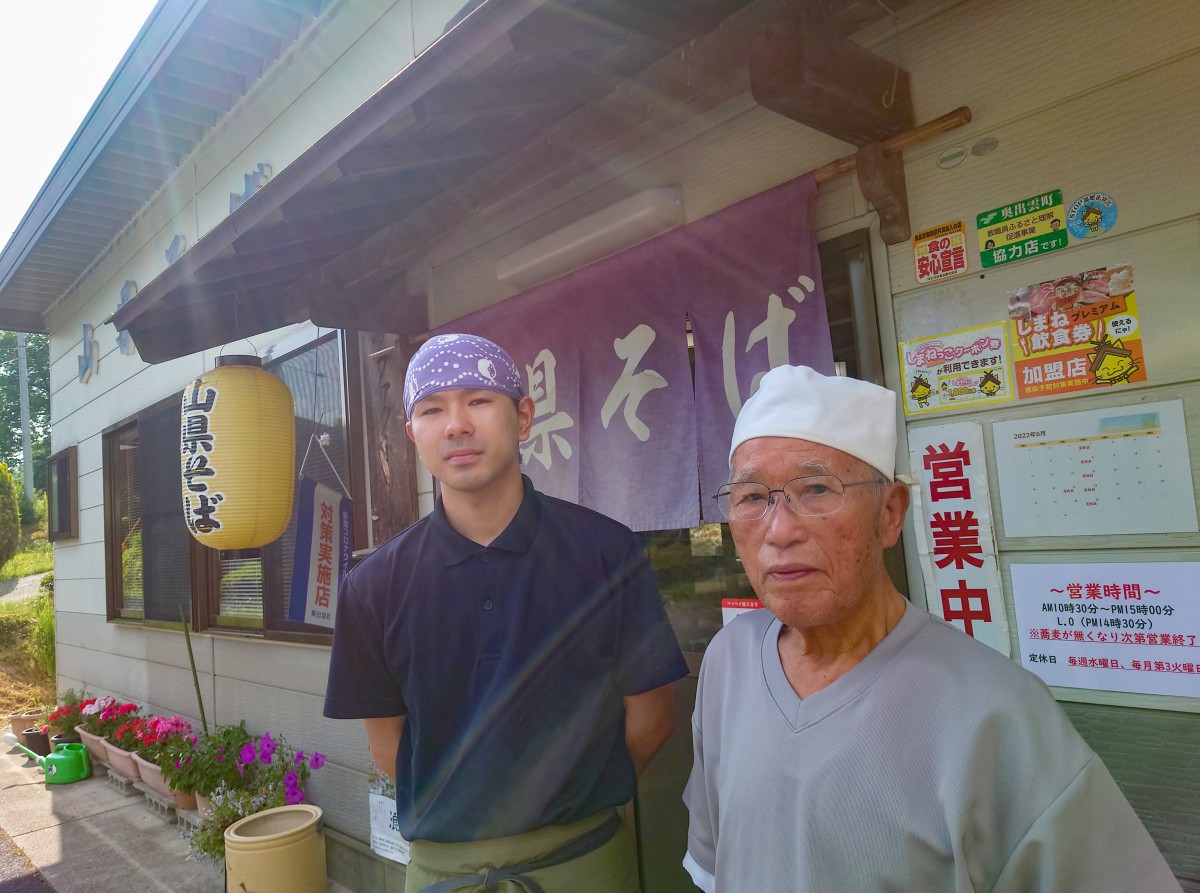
(20, 589)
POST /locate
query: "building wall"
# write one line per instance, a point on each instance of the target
(1082, 96)
(353, 49)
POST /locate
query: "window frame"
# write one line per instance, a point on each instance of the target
(63, 470)
(204, 564)
(115, 611)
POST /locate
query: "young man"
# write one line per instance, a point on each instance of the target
(845, 739)
(508, 654)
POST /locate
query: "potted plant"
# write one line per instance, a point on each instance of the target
(205, 764)
(121, 743)
(269, 774)
(26, 719)
(61, 723)
(153, 739)
(100, 717)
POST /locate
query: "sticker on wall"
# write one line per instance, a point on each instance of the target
(1079, 332)
(940, 252)
(1020, 230)
(1091, 215)
(954, 370)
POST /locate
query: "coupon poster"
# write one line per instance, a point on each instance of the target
(386, 839)
(1131, 627)
(954, 370)
(1079, 332)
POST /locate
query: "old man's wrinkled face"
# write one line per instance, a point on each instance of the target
(816, 570)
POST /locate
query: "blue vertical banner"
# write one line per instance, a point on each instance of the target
(322, 555)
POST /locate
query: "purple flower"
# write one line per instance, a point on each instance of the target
(299, 759)
(317, 760)
(268, 744)
(293, 796)
(291, 779)
(248, 753)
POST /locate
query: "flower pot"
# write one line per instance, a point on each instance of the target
(152, 777)
(121, 761)
(37, 741)
(65, 738)
(19, 722)
(203, 806)
(280, 850)
(94, 744)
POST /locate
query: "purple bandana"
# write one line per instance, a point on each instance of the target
(447, 362)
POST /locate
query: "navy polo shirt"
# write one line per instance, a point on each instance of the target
(510, 663)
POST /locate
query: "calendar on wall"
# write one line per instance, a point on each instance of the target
(1124, 469)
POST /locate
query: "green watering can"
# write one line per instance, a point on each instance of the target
(67, 763)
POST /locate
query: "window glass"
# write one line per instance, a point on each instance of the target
(150, 545)
(255, 589)
(127, 493)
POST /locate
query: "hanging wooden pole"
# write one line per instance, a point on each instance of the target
(901, 141)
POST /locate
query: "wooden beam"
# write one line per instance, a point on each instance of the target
(390, 308)
(828, 83)
(881, 178)
(12, 320)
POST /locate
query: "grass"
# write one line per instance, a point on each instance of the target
(36, 557)
(23, 684)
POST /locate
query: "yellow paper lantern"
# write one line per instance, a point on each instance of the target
(237, 455)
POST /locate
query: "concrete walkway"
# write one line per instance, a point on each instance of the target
(88, 837)
(20, 589)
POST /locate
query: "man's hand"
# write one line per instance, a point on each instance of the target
(383, 736)
(649, 721)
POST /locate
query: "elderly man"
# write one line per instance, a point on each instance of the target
(847, 740)
(508, 654)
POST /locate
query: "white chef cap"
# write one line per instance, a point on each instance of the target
(853, 416)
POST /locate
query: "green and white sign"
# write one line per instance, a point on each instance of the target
(1020, 230)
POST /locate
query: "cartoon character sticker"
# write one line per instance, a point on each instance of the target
(920, 390)
(989, 384)
(1111, 362)
(1091, 215)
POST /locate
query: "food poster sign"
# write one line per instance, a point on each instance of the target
(940, 252)
(953, 516)
(1111, 627)
(1028, 228)
(1079, 332)
(953, 370)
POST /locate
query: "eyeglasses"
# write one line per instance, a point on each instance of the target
(819, 494)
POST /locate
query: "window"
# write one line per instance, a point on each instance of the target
(254, 589)
(62, 496)
(156, 569)
(149, 551)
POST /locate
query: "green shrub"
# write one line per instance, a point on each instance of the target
(27, 509)
(46, 585)
(41, 637)
(10, 517)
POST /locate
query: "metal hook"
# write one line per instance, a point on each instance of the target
(889, 96)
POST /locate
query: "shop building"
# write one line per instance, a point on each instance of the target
(334, 179)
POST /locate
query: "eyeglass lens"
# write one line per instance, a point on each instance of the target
(813, 495)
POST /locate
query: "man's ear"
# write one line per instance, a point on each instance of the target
(408, 430)
(524, 418)
(896, 499)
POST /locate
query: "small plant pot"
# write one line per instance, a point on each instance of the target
(94, 744)
(19, 722)
(37, 741)
(65, 738)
